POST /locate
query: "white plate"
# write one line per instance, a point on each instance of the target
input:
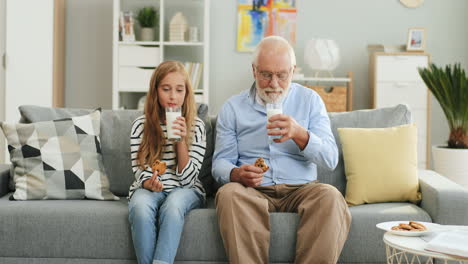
(387, 226)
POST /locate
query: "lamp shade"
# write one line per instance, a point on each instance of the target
(322, 54)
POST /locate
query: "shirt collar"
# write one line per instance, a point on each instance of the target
(259, 100)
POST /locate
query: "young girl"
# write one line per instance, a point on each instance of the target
(158, 203)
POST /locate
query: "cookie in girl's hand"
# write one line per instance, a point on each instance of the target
(260, 162)
(159, 166)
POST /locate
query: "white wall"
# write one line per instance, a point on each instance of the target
(2, 78)
(353, 24)
(88, 54)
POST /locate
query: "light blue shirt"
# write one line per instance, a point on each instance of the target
(242, 138)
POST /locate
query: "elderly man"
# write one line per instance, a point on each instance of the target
(303, 141)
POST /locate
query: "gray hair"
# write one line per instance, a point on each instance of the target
(279, 42)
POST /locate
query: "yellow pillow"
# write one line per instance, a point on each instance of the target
(380, 164)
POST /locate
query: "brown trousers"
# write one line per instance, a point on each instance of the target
(244, 221)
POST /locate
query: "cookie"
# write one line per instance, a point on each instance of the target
(411, 226)
(159, 166)
(417, 225)
(405, 226)
(260, 162)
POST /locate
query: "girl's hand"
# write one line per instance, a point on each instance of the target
(181, 128)
(153, 184)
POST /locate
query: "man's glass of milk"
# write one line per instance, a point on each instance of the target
(171, 115)
(273, 109)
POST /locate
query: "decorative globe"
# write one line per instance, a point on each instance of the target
(322, 54)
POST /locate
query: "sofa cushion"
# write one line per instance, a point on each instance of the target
(209, 183)
(205, 172)
(65, 229)
(59, 159)
(375, 118)
(86, 229)
(204, 242)
(115, 140)
(380, 164)
(364, 243)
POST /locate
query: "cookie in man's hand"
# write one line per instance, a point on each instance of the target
(260, 162)
(159, 166)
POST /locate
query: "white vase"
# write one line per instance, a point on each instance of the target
(451, 163)
(147, 34)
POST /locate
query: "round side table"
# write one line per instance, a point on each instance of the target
(402, 249)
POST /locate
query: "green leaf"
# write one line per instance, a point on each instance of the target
(449, 86)
(148, 17)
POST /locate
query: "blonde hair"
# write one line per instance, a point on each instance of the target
(153, 141)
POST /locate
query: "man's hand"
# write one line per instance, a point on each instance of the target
(153, 184)
(288, 129)
(248, 175)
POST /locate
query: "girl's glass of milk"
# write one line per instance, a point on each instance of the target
(171, 115)
(273, 109)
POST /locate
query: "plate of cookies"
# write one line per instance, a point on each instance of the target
(408, 228)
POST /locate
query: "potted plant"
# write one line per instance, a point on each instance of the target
(449, 86)
(147, 17)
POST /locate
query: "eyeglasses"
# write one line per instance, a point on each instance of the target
(268, 76)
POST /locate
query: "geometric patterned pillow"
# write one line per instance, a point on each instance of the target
(59, 159)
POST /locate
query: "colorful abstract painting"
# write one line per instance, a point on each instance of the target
(260, 18)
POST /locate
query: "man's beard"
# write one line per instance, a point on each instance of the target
(271, 94)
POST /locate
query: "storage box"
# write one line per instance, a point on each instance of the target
(139, 56)
(134, 79)
(334, 97)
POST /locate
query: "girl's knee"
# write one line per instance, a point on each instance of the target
(141, 206)
(142, 211)
(180, 202)
(172, 212)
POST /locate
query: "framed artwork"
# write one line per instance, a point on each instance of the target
(261, 18)
(416, 39)
(126, 30)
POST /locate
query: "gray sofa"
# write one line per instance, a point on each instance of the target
(88, 231)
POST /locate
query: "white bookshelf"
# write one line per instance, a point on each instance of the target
(183, 43)
(134, 61)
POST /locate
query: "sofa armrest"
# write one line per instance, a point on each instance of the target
(444, 200)
(4, 179)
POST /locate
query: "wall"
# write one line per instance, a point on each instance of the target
(2, 78)
(354, 25)
(88, 49)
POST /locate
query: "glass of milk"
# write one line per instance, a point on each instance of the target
(273, 109)
(171, 115)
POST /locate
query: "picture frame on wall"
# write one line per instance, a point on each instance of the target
(416, 39)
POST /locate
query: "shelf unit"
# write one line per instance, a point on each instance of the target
(394, 79)
(134, 61)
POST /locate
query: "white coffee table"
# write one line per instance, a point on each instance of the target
(403, 249)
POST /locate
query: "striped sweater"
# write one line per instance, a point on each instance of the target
(187, 178)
